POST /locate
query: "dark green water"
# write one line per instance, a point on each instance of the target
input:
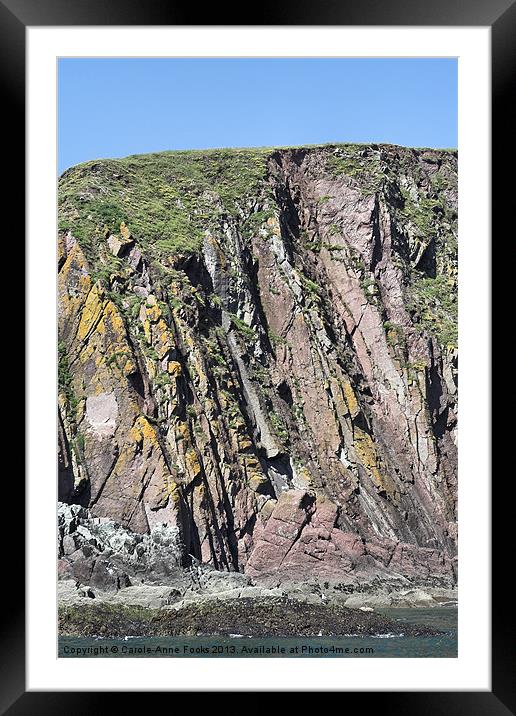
(385, 646)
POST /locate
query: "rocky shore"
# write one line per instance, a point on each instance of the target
(113, 582)
(251, 617)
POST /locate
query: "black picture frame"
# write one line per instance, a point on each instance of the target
(500, 16)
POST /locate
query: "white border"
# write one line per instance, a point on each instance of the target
(471, 670)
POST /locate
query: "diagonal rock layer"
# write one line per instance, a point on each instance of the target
(258, 348)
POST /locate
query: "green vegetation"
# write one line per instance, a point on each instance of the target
(214, 352)
(215, 300)
(170, 199)
(118, 358)
(394, 334)
(358, 162)
(191, 411)
(313, 289)
(370, 286)
(440, 181)
(64, 378)
(257, 220)
(149, 351)
(421, 213)
(434, 303)
(242, 327)
(167, 199)
(278, 426)
(312, 244)
(103, 271)
(427, 248)
(260, 373)
(79, 444)
(162, 380)
(276, 339)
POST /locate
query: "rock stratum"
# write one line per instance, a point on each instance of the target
(258, 356)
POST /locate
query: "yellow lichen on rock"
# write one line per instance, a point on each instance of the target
(153, 313)
(147, 330)
(113, 322)
(74, 281)
(129, 367)
(273, 224)
(150, 367)
(256, 479)
(351, 399)
(91, 312)
(152, 310)
(174, 368)
(192, 463)
(207, 412)
(267, 509)
(257, 482)
(124, 231)
(61, 250)
(162, 339)
(169, 490)
(366, 453)
(198, 372)
(199, 495)
(142, 431)
(182, 431)
(244, 443)
(304, 477)
(111, 328)
(173, 490)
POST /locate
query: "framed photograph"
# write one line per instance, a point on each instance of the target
(255, 253)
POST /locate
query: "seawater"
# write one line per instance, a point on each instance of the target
(380, 646)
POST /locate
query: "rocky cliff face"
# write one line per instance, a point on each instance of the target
(258, 348)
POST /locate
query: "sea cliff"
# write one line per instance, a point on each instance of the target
(258, 366)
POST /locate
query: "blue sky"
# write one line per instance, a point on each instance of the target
(116, 107)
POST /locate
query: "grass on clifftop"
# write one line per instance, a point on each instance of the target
(167, 199)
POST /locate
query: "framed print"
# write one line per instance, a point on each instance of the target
(273, 244)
